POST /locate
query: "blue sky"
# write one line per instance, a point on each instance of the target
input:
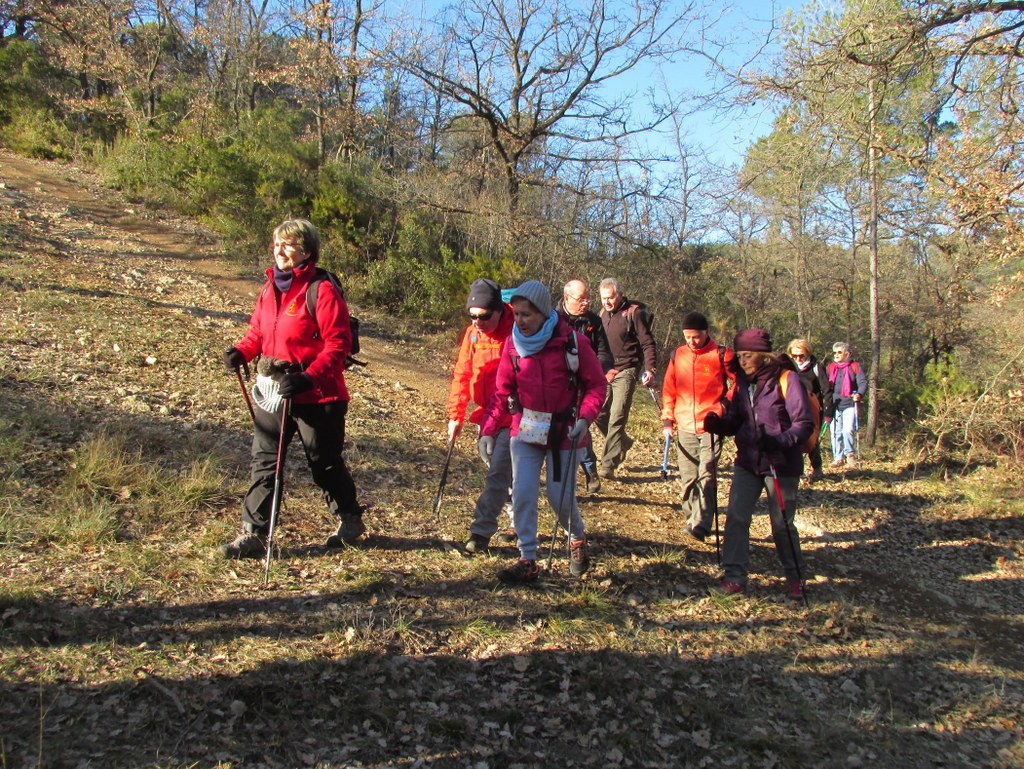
(744, 24)
(725, 135)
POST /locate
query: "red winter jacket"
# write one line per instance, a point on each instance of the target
(542, 383)
(695, 385)
(476, 369)
(281, 328)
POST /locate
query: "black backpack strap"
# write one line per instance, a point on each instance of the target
(313, 289)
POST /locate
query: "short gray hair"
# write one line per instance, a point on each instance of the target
(840, 347)
(303, 232)
(614, 282)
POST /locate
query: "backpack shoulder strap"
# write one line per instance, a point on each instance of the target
(313, 289)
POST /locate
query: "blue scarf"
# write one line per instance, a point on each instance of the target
(530, 345)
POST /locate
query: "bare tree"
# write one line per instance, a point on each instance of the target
(543, 82)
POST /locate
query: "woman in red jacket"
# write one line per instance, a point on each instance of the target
(552, 407)
(302, 360)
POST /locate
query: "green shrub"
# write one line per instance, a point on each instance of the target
(358, 223)
(241, 183)
(36, 133)
(959, 416)
(30, 123)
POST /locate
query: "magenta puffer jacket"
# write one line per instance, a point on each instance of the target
(542, 383)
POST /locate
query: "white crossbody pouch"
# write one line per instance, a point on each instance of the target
(534, 427)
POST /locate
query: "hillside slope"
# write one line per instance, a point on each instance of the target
(126, 641)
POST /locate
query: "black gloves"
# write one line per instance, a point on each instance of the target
(233, 359)
(766, 442)
(713, 423)
(290, 385)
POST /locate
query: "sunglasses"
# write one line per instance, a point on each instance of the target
(483, 317)
(797, 356)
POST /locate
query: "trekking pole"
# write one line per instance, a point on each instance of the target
(856, 429)
(654, 397)
(275, 506)
(444, 477)
(712, 495)
(789, 534)
(664, 458)
(561, 502)
(245, 390)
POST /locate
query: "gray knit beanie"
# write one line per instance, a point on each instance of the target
(537, 294)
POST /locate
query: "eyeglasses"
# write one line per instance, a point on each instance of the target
(482, 317)
(580, 299)
(798, 356)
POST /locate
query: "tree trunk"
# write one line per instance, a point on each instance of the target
(876, 341)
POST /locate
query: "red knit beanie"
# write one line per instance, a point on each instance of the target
(753, 340)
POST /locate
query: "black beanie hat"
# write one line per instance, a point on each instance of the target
(694, 321)
(485, 293)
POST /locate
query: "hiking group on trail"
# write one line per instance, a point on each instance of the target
(537, 376)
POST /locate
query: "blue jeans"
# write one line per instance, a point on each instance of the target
(844, 432)
(746, 488)
(527, 459)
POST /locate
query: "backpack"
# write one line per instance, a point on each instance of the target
(645, 312)
(812, 441)
(311, 294)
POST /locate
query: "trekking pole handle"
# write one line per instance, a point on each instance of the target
(245, 390)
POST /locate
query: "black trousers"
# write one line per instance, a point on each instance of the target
(321, 429)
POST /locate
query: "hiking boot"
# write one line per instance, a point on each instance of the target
(579, 557)
(698, 532)
(476, 544)
(728, 587)
(796, 590)
(593, 483)
(815, 476)
(350, 529)
(608, 473)
(508, 536)
(522, 572)
(838, 462)
(851, 463)
(249, 544)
